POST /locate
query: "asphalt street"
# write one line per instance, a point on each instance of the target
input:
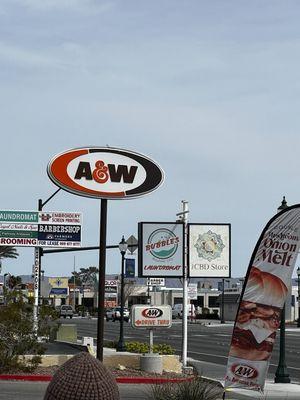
(13, 390)
(205, 343)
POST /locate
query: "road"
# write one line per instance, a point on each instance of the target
(35, 391)
(205, 343)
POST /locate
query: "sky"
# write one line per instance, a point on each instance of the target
(210, 90)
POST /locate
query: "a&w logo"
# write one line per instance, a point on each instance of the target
(102, 173)
(105, 173)
(244, 371)
(152, 313)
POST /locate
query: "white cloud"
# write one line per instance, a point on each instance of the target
(26, 58)
(71, 5)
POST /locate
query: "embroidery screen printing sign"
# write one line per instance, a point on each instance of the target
(38, 228)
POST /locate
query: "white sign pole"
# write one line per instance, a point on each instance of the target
(36, 289)
(184, 218)
(150, 341)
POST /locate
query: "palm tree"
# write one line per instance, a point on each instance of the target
(14, 281)
(8, 252)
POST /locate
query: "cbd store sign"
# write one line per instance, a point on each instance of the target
(106, 173)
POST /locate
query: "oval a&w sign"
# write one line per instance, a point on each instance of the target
(103, 172)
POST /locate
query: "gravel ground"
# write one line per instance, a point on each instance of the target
(116, 372)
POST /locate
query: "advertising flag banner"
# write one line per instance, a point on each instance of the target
(161, 249)
(264, 294)
(129, 267)
(209, 250)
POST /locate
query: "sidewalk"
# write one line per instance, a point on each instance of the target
(282, 391)
(272, 391)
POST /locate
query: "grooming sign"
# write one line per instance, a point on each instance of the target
(143, 316)
(37, 228)
(161, 249)
(105, 173)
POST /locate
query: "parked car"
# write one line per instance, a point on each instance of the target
(177, 311)
(115, 314)
(66, 311)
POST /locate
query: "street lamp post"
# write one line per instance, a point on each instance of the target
(123, 248)
(298, 280)
(281, 374)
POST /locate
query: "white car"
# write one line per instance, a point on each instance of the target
(66, 311)
(177, 311)
(115, 314)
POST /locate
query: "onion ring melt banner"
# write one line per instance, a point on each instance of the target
(265, 290)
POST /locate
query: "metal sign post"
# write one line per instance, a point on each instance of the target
(150, 341)
(184, 217)
(36, 289)
(101, 282)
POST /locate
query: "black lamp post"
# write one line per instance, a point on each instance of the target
(298, 280)
(281, 374)
(123, 248)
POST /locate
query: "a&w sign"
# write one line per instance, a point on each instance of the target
(106, 173)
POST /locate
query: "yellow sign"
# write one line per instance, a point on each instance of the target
(59, 282)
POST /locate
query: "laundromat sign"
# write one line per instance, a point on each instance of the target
(105, 172)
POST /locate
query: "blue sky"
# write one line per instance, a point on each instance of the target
(208, 89)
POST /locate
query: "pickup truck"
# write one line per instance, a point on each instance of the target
(115, 314)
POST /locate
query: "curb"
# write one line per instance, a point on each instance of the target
(120, 379)
(32, 378)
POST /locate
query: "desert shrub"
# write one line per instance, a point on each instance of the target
(141, 347)
(138, 347)
(196, 389)
(111, 344)
(16, 335)
(164, 349)
(48, 322)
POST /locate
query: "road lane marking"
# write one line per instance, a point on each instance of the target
(215, 355)
(207, 354)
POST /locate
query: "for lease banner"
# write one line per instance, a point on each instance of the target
(209, 250)
(40, 229)
(265, 291)
(161, 249)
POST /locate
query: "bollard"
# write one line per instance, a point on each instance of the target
(151, 362)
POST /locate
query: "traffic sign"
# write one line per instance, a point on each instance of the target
(156, 282)
(192, 291)
(132, 244)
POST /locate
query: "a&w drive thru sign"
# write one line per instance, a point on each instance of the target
(151, 316)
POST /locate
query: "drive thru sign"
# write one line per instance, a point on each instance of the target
(143, 316)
